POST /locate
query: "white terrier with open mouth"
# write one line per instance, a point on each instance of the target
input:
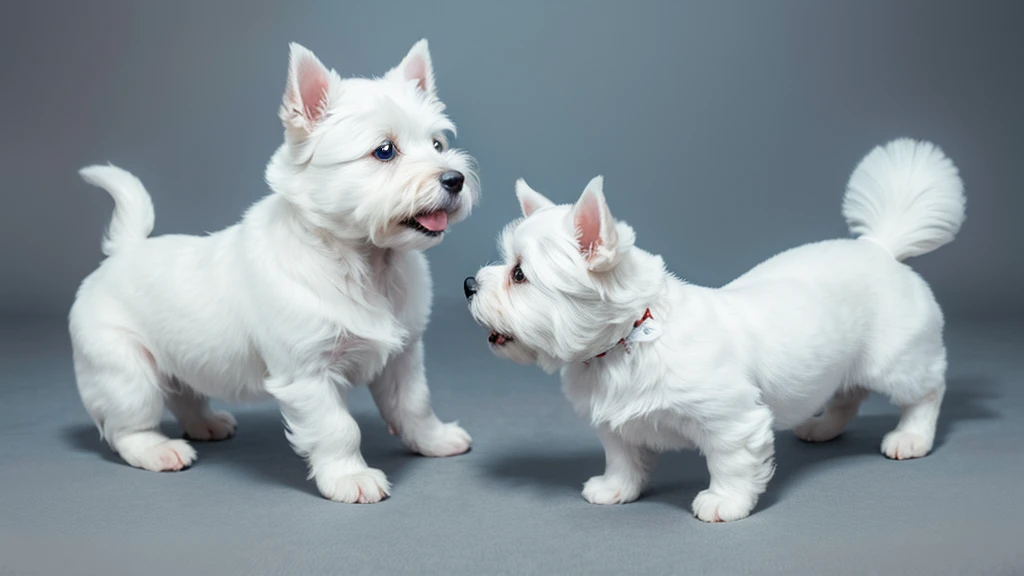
(657, 364)
(320, 287)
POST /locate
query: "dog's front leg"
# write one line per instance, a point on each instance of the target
(626, 470)
(321, 429)
(739, 452)
(403, 399)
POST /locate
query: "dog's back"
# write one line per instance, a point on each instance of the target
(847, 312)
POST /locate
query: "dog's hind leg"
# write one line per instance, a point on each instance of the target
(196, 418)
(916, 383)
(840, 410)
(915, 433)
(121, 388)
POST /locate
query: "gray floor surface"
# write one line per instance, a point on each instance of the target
(512, 505)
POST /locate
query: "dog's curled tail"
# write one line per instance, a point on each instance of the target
(906, 196)
(133, 209)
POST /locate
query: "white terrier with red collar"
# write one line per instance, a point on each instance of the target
(657, 364)
(320, 287)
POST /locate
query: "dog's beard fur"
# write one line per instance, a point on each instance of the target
(327, 168)
(564, 311)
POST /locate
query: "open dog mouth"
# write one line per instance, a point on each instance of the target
(499, 339)
(429, 223)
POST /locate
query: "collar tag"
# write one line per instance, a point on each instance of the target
(649, 330)
(644, 330)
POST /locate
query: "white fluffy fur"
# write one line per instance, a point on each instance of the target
(810, 330)
(319, 287)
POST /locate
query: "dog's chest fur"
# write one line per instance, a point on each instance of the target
(624, 392)
(377, 320)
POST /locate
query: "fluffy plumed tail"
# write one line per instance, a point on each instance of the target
(907, 196)
(133, 209)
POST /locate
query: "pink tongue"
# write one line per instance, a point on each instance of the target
(435, 221)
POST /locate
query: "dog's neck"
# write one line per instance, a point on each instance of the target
(639, 283)
(641, 326)
(627, 333)
(353, 256)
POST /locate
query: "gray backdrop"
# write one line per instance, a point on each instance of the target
(725, 130)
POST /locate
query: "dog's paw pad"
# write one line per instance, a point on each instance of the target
(713, 507)
(905, 445)
(212, 427)
(364, 487)
(609, 490)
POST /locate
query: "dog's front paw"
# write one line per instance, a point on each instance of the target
(441, 440)
(610, 490)
(211, 427)
(363, 487)
(905, 445)
(167, 456)
(714, 507)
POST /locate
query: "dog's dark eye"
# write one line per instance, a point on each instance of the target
(517, 275)
(385, 151)
(438, 145)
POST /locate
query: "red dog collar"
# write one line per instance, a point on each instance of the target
(625, 341)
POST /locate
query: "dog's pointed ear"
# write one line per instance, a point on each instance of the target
(416, 66)
(306, 94)
(595, 228)
(529, 199)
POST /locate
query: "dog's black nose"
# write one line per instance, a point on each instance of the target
(452, 181)
(469, 287)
